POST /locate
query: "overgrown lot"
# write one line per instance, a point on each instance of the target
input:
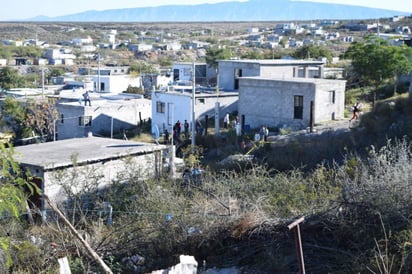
(357, 213)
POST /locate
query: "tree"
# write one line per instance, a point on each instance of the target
(142, 67)
(26, 118)
(15, 114)
(13, 198)
(12, 179)
(9, 78)
(54, 72)
(5, 52)
(41, 118)
(403, 65)
(375, 61)
(312, 51)
(253, 54)
(214, 54)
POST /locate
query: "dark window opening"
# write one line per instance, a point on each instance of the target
(238, 74)
(85, 121)
(160, 107)
(332, 96)
(298, 107)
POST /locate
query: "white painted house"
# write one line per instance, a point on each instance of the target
(114, 79)
(109, 114)
(168, 107)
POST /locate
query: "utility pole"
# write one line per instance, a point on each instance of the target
(42, 81)
(98, 72)
(193, 106)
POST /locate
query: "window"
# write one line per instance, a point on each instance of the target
(160, 107)
(238, 74)
(331, 97)
(85, 121)
(298, 107)
(201, 100)
(61, 118)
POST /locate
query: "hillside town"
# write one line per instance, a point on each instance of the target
(92, 90)
(116, 63)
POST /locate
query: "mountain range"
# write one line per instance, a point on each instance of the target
(252, 10)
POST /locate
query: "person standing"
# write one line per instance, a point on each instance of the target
(199, 127)
(256, 138)
(186, 129)
(356, 108)
(86, 98)
(262, 132)
(178, 128)
(226, 121)
(166, 137)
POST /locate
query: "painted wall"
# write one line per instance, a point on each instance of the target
(106, 115)
(116, 83)
(178, 106)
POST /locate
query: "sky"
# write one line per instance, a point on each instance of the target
(23, 9)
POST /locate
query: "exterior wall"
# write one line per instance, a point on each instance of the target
(107, 171)
(69, 127)
(182, 109)
(206, 105)
(325, 109)
(55, 182)
(271, 102)
(116, 83)
(182, 103)
(280, 69)
(278, 72)
(185, 72)
(227, 71)
(106, 116)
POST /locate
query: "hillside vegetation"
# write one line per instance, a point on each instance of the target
(353, 190)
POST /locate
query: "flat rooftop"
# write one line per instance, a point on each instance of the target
(275, 62)
(59, 154)
(294, 79)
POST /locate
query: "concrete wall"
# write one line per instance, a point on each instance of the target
(280, 69)
(177, 107)
(227, 71)
(100, 174)
(116, 83)
(106, 115)
(59, 183)
(277, 72)
(271, 102)
(182, 103)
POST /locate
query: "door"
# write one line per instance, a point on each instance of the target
(298, 107)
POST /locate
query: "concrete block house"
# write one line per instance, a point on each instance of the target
(290, 102)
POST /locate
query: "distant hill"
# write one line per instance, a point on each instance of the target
(252, 10)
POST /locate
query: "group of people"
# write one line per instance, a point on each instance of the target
(177, 131)
(227, 123)
(262, 134)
